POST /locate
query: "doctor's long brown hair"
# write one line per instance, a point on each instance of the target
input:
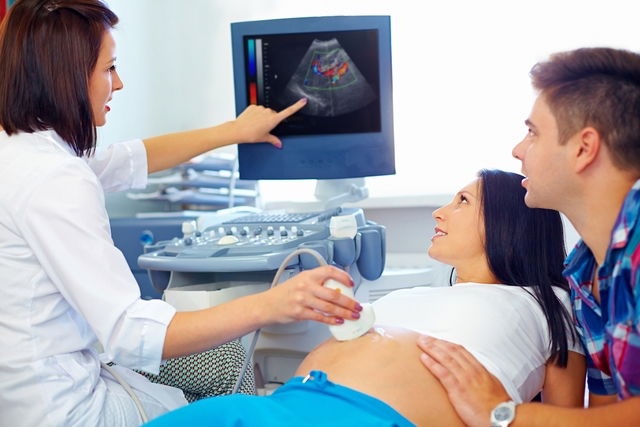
(48, 49)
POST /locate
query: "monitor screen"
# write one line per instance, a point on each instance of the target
(342, 65)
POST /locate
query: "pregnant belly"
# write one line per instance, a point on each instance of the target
(385, 364)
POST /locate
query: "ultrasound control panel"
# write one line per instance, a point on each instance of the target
(261, 242)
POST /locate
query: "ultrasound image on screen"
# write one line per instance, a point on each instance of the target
(336, 71)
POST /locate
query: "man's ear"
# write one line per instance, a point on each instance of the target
(587, 147)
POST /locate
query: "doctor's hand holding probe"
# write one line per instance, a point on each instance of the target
(65, 287)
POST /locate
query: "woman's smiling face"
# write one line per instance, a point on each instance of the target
(459, 233)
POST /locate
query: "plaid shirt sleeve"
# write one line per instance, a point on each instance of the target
(597, 381)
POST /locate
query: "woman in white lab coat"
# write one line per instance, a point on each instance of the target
(63, 285)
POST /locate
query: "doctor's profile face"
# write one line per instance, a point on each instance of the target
(104, 80)
(459, 233)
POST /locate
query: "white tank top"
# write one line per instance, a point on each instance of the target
(502, 326)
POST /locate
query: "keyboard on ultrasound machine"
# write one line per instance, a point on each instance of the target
(278, 217)
(261, 241)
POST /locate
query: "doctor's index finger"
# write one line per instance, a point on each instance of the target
(292, 109)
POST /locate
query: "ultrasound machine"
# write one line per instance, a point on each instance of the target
(342, 65)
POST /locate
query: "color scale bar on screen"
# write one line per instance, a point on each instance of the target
(255, 71)
(251, 62)
(260, 71)
(251, 58)
(253, 97)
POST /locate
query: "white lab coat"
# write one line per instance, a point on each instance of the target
(64, 286)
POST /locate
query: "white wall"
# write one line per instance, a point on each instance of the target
(461, 86)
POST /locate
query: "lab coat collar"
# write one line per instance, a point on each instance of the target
(53, 136)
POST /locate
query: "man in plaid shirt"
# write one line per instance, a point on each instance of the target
(581, 156)
(610, 330)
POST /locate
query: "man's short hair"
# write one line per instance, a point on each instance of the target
(597, 87)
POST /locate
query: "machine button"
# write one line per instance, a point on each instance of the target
(228, 240)
(146, 237)
(189, 227)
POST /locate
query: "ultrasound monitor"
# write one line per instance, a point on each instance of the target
(342, 65)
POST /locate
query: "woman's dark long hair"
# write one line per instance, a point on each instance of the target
(525, 247)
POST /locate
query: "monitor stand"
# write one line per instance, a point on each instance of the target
(333, 193)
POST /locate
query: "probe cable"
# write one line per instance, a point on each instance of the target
(128, 389)
(275, 281)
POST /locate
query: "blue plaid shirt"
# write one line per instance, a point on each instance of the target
(610, 331)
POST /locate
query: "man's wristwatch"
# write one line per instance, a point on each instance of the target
(503, 414)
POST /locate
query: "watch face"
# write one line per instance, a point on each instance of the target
(502, 413)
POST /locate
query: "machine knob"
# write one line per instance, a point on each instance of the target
(146, 237)
(188, 241)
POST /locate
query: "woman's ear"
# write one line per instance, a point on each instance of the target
(588, 143)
